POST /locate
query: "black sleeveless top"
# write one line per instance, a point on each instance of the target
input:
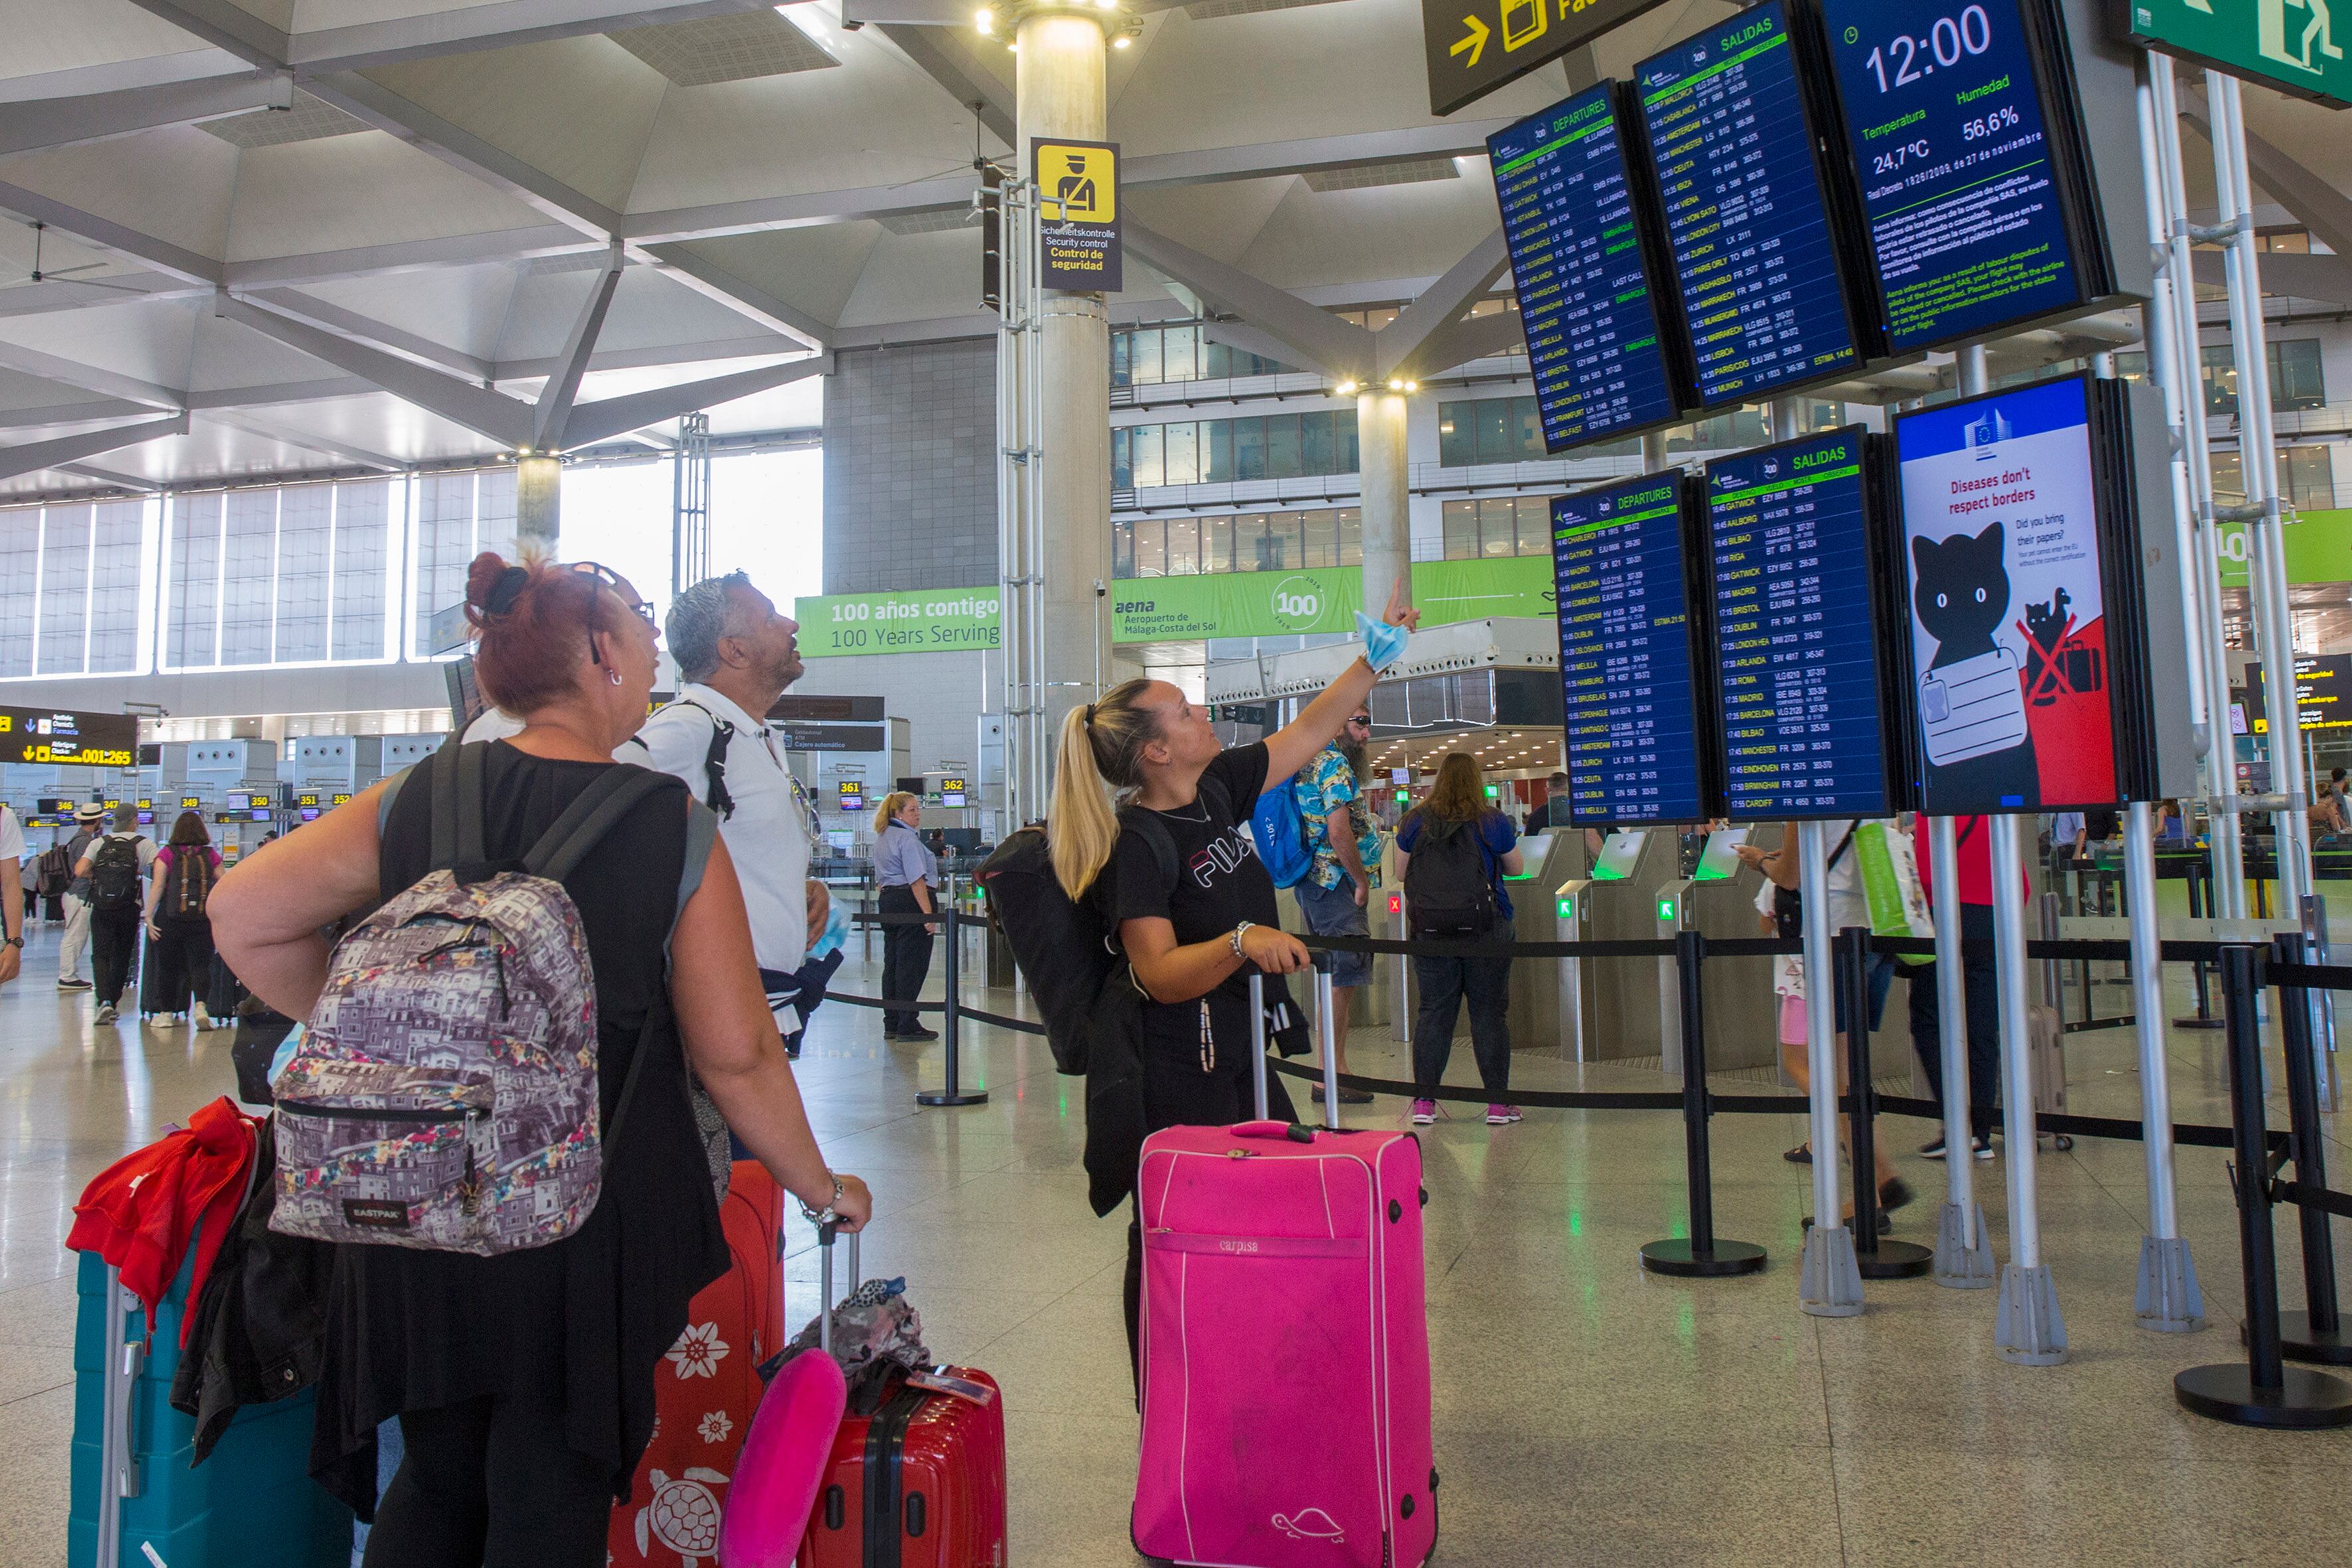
(593, 1313)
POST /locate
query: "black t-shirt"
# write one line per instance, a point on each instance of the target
(1220, 881)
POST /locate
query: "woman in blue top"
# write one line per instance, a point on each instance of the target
(908, 873)
(1452, 852)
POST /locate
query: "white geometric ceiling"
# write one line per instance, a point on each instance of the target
(452, 188)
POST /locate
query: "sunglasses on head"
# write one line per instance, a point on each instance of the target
(601, 575)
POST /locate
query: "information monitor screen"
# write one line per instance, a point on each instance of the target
(1795, 632)
(1745, 213)
(1959, 186)
(1583, 281)
(1626, 655)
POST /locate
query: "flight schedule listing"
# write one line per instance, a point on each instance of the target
(1624, 654)
(1967, 216)
(1744, 210)
(1795, 639)
(1577, 259)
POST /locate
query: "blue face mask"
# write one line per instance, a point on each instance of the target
(1383, 644)
(836, 932)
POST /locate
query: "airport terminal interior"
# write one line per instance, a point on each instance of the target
(1861, 485)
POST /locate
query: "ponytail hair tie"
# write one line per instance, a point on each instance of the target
(508, 589)
(1090, 715)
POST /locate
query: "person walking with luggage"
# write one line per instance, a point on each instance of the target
(1452, 852)
(524, 1380)
(1342, 844)
(908, 875)
(115, 867)
(738, 652)
(89, 824)
(179, 887)
(1193, 903)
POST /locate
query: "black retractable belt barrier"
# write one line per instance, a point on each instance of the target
(2316, 1334)
(2263, 1391)
(1875, 1258)
(1701, 1254)
(953, 1093)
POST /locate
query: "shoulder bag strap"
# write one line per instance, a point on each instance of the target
(592, 815)
(701, 832)
(714, 759)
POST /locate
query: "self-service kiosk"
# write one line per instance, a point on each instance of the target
(1719, 901)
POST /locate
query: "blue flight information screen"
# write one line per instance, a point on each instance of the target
(1744, 211)
(1576, 257)
(1967, 219)
(1624, 654)
(1795, 638)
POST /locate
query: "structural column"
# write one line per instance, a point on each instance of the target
(538, 495)
(1062, 82)
(1387, 492)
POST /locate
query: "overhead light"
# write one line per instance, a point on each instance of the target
(984, 20)
(1122, 41)
(1107, 4)
(1346, 389)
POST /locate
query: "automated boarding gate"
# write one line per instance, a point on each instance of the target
(1601, 1009)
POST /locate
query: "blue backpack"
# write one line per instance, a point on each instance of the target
(1281, 834)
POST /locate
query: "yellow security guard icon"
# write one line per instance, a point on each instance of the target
(1078, 183)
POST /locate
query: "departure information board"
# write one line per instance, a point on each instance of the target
(1745, 215)
(94, 740)
(1583, 283)
(1795, 636)
(1958, 176)
(1625, 654)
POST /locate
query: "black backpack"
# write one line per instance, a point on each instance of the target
(1447, 892)
(114, 876)
(188, 885)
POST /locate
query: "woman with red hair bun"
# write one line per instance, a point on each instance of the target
(524, 1382)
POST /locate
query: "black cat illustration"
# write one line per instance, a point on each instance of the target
(1962, 598)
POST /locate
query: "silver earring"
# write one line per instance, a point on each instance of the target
(615, 675)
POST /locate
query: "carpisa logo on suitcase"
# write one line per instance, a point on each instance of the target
(1283, 1293)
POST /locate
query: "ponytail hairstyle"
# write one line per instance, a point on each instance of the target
(892, 805)
(531, 621)
(1102, 751)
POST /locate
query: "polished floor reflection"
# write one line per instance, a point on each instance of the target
(1586, 1412)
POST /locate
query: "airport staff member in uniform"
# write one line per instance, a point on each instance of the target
(739, 653)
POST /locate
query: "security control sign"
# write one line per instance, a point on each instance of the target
(1077, 215)
(1472, 47)
(2295, 46)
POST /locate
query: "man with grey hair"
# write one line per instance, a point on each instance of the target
(737, 652)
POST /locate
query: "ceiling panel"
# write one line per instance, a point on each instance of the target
(173, 183)
(47, 36)
(355, 191)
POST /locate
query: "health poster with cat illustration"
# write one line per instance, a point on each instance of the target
(2012, 700)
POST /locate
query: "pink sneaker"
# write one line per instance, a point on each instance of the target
(1502, 1115)
(1424, 1111)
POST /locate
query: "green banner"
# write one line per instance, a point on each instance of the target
(2291, 45)
(1163, 609)
(2318, 550)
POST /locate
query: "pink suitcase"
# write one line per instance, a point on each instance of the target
(1285, 1350)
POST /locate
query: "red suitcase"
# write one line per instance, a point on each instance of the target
(707, 1389)
(917, 1476)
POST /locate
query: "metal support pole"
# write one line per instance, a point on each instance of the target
(2168, 1299)
(2262, 1390)
(1258, 1043)
(2028, 1328)
(1876, 1257)
(2326, 1085)
(1963, 1257)
(951, 1043)
(1327, 1031)
(1829, 1279)
(1700, 1254)
(2315, 1334)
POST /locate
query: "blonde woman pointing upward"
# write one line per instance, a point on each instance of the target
(909, 876)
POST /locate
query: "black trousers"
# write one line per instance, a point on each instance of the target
(184, 951)
(1980, 991)
(490, 1483)
(114, 938)
(1445, 984)
(906, 959)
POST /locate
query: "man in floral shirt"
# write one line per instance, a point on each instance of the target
(1337, 888)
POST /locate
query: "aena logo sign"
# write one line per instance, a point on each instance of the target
(1297, 603)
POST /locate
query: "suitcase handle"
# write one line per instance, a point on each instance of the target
(824, 1238)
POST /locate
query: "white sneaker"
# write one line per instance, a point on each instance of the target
(201, 1017)
(106, 1013)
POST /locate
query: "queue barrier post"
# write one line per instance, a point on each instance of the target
(1258, 1043)
(1699, 1255)
(1964, 1259)
(2165, 1299)
(2315, 1334)
(1828, 1283)
(2262, 1391)
(1876, 1258)
(951, 1043)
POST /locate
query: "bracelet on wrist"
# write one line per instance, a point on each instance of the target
(824, 1215)
(1239, 931)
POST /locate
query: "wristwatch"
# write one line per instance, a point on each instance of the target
(15, 941)
(824, 1215)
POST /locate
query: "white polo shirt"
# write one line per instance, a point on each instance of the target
(767, 836)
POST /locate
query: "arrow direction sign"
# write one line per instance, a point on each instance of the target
(1499, 41)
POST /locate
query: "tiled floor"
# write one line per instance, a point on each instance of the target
(1586, 1412)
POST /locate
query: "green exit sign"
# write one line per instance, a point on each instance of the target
(1667, 911)
(2295, 46)
(1492, 792)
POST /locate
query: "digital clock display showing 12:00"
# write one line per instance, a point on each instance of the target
(1944, 115)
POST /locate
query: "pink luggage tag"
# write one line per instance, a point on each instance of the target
(955, 1387)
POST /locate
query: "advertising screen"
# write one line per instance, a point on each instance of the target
(1795, 635)
(1632, 717)
(1745, 213)
(1583, 281)
(1947, 133)
(2001, 550)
